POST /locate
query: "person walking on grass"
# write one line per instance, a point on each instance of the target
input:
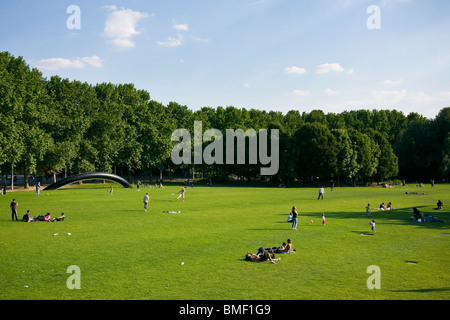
(13, 207)
(146, 198)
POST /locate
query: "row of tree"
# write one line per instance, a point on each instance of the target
(56, 125)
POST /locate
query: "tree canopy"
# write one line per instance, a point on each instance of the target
(48, 126)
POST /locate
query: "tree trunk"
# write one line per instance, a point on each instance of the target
(25, 176)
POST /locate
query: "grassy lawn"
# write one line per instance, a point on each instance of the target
(126, 253)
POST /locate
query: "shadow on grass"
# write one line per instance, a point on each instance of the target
(364, 233)
(423, 290)
(401, 216)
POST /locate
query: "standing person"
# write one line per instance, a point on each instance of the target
(181, 193)
(321, 192)
(13, 207)
(368, 212)
(332, 185)
(294, 217)
(372, 223)
(146, 198)
(323, 219)
(110, 189)
(4, 186)
(37, 187)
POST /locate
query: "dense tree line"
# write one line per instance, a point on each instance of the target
(56, 125)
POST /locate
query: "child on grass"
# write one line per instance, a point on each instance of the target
(181, 193)
(372, 223)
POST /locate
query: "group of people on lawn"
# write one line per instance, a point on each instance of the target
(28, 218)
(268, 254)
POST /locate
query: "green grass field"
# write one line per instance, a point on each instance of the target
(126, 253)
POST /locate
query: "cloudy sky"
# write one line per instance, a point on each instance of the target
(279, 55)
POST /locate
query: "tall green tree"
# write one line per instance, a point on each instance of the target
(72, 104)
(368, 153)
(24, 113)
(315, 151)
(387, 160)
(346, 165)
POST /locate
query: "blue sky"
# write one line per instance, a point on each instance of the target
(276, 55)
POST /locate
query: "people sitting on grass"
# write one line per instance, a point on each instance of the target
(418, 215)
(385, 207)
(27, 217)
(61, 218)
(440, 205)
(289, 218)
(288, 248)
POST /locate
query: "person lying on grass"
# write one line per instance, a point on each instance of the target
(261, 257)
(279, 249)
(284, 248)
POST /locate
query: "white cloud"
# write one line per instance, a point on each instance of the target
(330, 92)
(401, 100)
(294, 70)
(350, 71)
(120, 26)
(445, 94)
(397, 97)
(171, 41)
(63, 63)
(200, 39)
(180, 27)
(301, 93)
(330, 67)
(246, 84)
(393, 82)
